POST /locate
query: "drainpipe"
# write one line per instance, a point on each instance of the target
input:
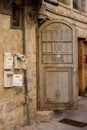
(25, 71)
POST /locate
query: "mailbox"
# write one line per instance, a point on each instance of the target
(17, 80)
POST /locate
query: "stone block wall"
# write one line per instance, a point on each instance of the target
(31, 68)
(11, 99)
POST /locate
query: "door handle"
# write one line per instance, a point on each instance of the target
(74, 69)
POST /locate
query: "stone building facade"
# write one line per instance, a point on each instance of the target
(13, 113)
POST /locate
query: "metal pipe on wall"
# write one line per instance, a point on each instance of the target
(25, 71)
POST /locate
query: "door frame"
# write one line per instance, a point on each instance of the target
(75, 88)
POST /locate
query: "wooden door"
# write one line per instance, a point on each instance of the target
(57, 87)
(80, 66)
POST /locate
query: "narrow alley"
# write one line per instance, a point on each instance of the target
(54, 124)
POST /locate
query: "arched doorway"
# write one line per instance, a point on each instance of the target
(57, 87)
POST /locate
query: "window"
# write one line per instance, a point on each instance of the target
(57, 44)
(16, 17)
(67, 2)
(80, 5)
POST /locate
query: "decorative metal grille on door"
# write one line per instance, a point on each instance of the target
(57, 44)
(57, 81)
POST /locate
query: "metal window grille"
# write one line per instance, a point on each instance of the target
(57, 44)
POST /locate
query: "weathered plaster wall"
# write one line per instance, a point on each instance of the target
(31, 68)
(11, 99)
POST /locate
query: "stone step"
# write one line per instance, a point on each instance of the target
(44, 115)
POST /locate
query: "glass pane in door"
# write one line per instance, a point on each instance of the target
(57, 58)
(57, 44)
(67, 58)
(57, 47)
(67, 47)
(47, 58)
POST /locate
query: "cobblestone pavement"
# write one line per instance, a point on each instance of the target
(54, 124)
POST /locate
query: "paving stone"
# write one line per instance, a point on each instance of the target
(26, 128)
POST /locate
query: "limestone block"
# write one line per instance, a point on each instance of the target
(9, 118)
(1, 109)
(5, 23)
(26, 128)
(11, 105)
(44, 115)
(1, 122)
